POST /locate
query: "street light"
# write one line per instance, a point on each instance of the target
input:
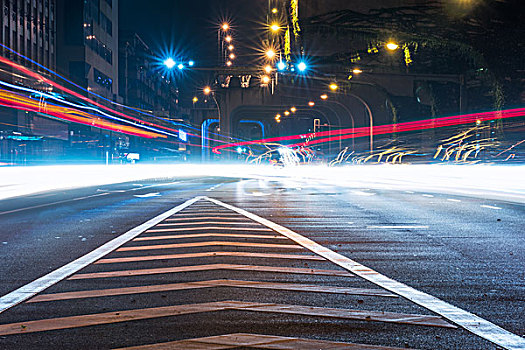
(225, 26)
(191, 63)
(180, 66)
(228, 39)
(286, 113)
(274, 10)
(206, 90)
(230, 47)
(324, 96)
(333, 87)
(392, 46)
(268, 69)
(229, 63)
(195, 99)
(311, 103)
(302, 66)
(281, 65)
(270, 53)
(265, 79)
(232, 56)
(293, 109)
(170, 63)
(357, 71)
(275, 28)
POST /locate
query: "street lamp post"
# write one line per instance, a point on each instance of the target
(370, 117)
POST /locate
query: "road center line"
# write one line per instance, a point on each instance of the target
(25, 292)
(465, 319)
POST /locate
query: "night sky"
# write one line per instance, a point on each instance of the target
(190, 27)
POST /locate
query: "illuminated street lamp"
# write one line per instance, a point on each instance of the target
(278, 118)
(265, 79)
(302, 66)
(225, 26)
(232, 56)
(281, 65)
(274, 10)
(268, 69)
(293, 109)
(207, 90)
(270, 53)
(392, 46)
(195, 99)
(311, 103)
(228, 39)
(229, 63)
(230, 47)
(333, 87)
(357, 71)
(324, 96)
(170, 63)
(275, 28)
(286, 113)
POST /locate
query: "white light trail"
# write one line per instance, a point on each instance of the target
(494, 182)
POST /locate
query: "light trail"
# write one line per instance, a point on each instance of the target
(43, 94)
(77, 95)
(10, 99)
(336, 135)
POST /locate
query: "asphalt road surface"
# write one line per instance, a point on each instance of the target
(227, 263)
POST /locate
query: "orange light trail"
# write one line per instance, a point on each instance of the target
(10, 99)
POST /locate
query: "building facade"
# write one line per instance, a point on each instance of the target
(29, 27)
(87, 44)
(142, 84)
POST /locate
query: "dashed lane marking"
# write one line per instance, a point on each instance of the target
(208, 243)
(208, 254)
(200, 235)
(211, 267)
(465, 319)
(210, 284)
(453, 200)
(25, 292)
(256, 341)
(167, 311)
(490, 207)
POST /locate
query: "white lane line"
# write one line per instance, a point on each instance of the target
(462, 318)
(396, 226)
(148, 195)
(428, 195)
(362, 193)
(453, 200)
(53, 203)
(214, 187)
(491, 207)
(25, 292)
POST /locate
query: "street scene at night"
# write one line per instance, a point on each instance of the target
(262, 174)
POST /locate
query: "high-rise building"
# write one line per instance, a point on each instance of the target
(29, 27)
(87, 44)
(143, 83)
